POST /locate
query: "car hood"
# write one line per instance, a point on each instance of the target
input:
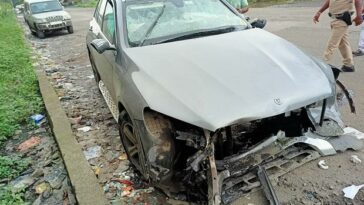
(44, 15)
(216, 81)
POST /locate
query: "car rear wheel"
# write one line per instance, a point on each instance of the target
(70, 29)
(131, 144)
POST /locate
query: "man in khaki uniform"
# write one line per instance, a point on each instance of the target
(340, 11)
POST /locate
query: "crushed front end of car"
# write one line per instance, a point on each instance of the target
(215, 132)
(196, 164)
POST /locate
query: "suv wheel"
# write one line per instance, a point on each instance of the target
(70, 29)
(131, 144)
(30, 28)
(40, 34)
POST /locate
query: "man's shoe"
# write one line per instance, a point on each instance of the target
(358, 53)
(348, 68)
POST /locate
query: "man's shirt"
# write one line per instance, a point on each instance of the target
(340, 6)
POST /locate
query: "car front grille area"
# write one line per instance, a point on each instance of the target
(56, 26)
(54, 18)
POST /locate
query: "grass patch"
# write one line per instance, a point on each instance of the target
(19, 91)
(12, 167)
(7, 197)
(86, 4)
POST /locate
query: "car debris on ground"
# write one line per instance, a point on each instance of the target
(322, 164)
(351, 191)
(355, 159)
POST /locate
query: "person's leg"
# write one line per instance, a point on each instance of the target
(345, 50)
(360, 51)
(338, 30)
(361, 39)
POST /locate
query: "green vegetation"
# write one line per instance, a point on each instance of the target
(86, 4)
(19, 92)
(11, 167)
(7, 197)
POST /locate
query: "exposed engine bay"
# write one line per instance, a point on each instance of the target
(198, 165)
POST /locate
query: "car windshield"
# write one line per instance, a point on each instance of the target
(155, 21)
(45, 6)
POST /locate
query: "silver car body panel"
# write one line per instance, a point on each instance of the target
(216, 81)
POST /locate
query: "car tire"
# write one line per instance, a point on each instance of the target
(129, 140)
(70, 29)
(40, 34)
(30, 28)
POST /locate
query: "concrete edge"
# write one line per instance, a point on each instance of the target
(86, 187)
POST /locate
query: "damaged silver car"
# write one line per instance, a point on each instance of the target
(207, 106)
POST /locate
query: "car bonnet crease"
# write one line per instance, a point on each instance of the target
(215, 81)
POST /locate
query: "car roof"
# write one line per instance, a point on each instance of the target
(36, 1)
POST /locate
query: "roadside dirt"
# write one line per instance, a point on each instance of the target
(68, 68)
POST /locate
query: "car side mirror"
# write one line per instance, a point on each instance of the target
(101, 45)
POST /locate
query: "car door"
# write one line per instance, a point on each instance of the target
(105, 29)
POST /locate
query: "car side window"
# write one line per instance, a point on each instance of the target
(108, 25)
(100, 11)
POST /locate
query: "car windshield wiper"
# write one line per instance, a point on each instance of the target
(200, 33)
(150, 29)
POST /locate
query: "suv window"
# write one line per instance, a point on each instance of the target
(100, 11)
(45, 6)
(108, 25)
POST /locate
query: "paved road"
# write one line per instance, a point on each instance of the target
(307, 184)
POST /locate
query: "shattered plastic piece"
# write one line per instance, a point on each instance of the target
(76, 120)
(351, 191)
(123, 157)
(355, 159)
(329, 128)
(92, 152)
(352, 131)
(22, 182)
(127, 191)
(68, 86)
(31, 142)
(40, 188)
(342, 98)
(124, 181)
(346, 142)
(84, 129)
(37, 119)
(97, 171)
(322, 164)
(91, 77)
(149, 190)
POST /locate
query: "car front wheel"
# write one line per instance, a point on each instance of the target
(131, 144)
(70, 29)
(40, 34)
